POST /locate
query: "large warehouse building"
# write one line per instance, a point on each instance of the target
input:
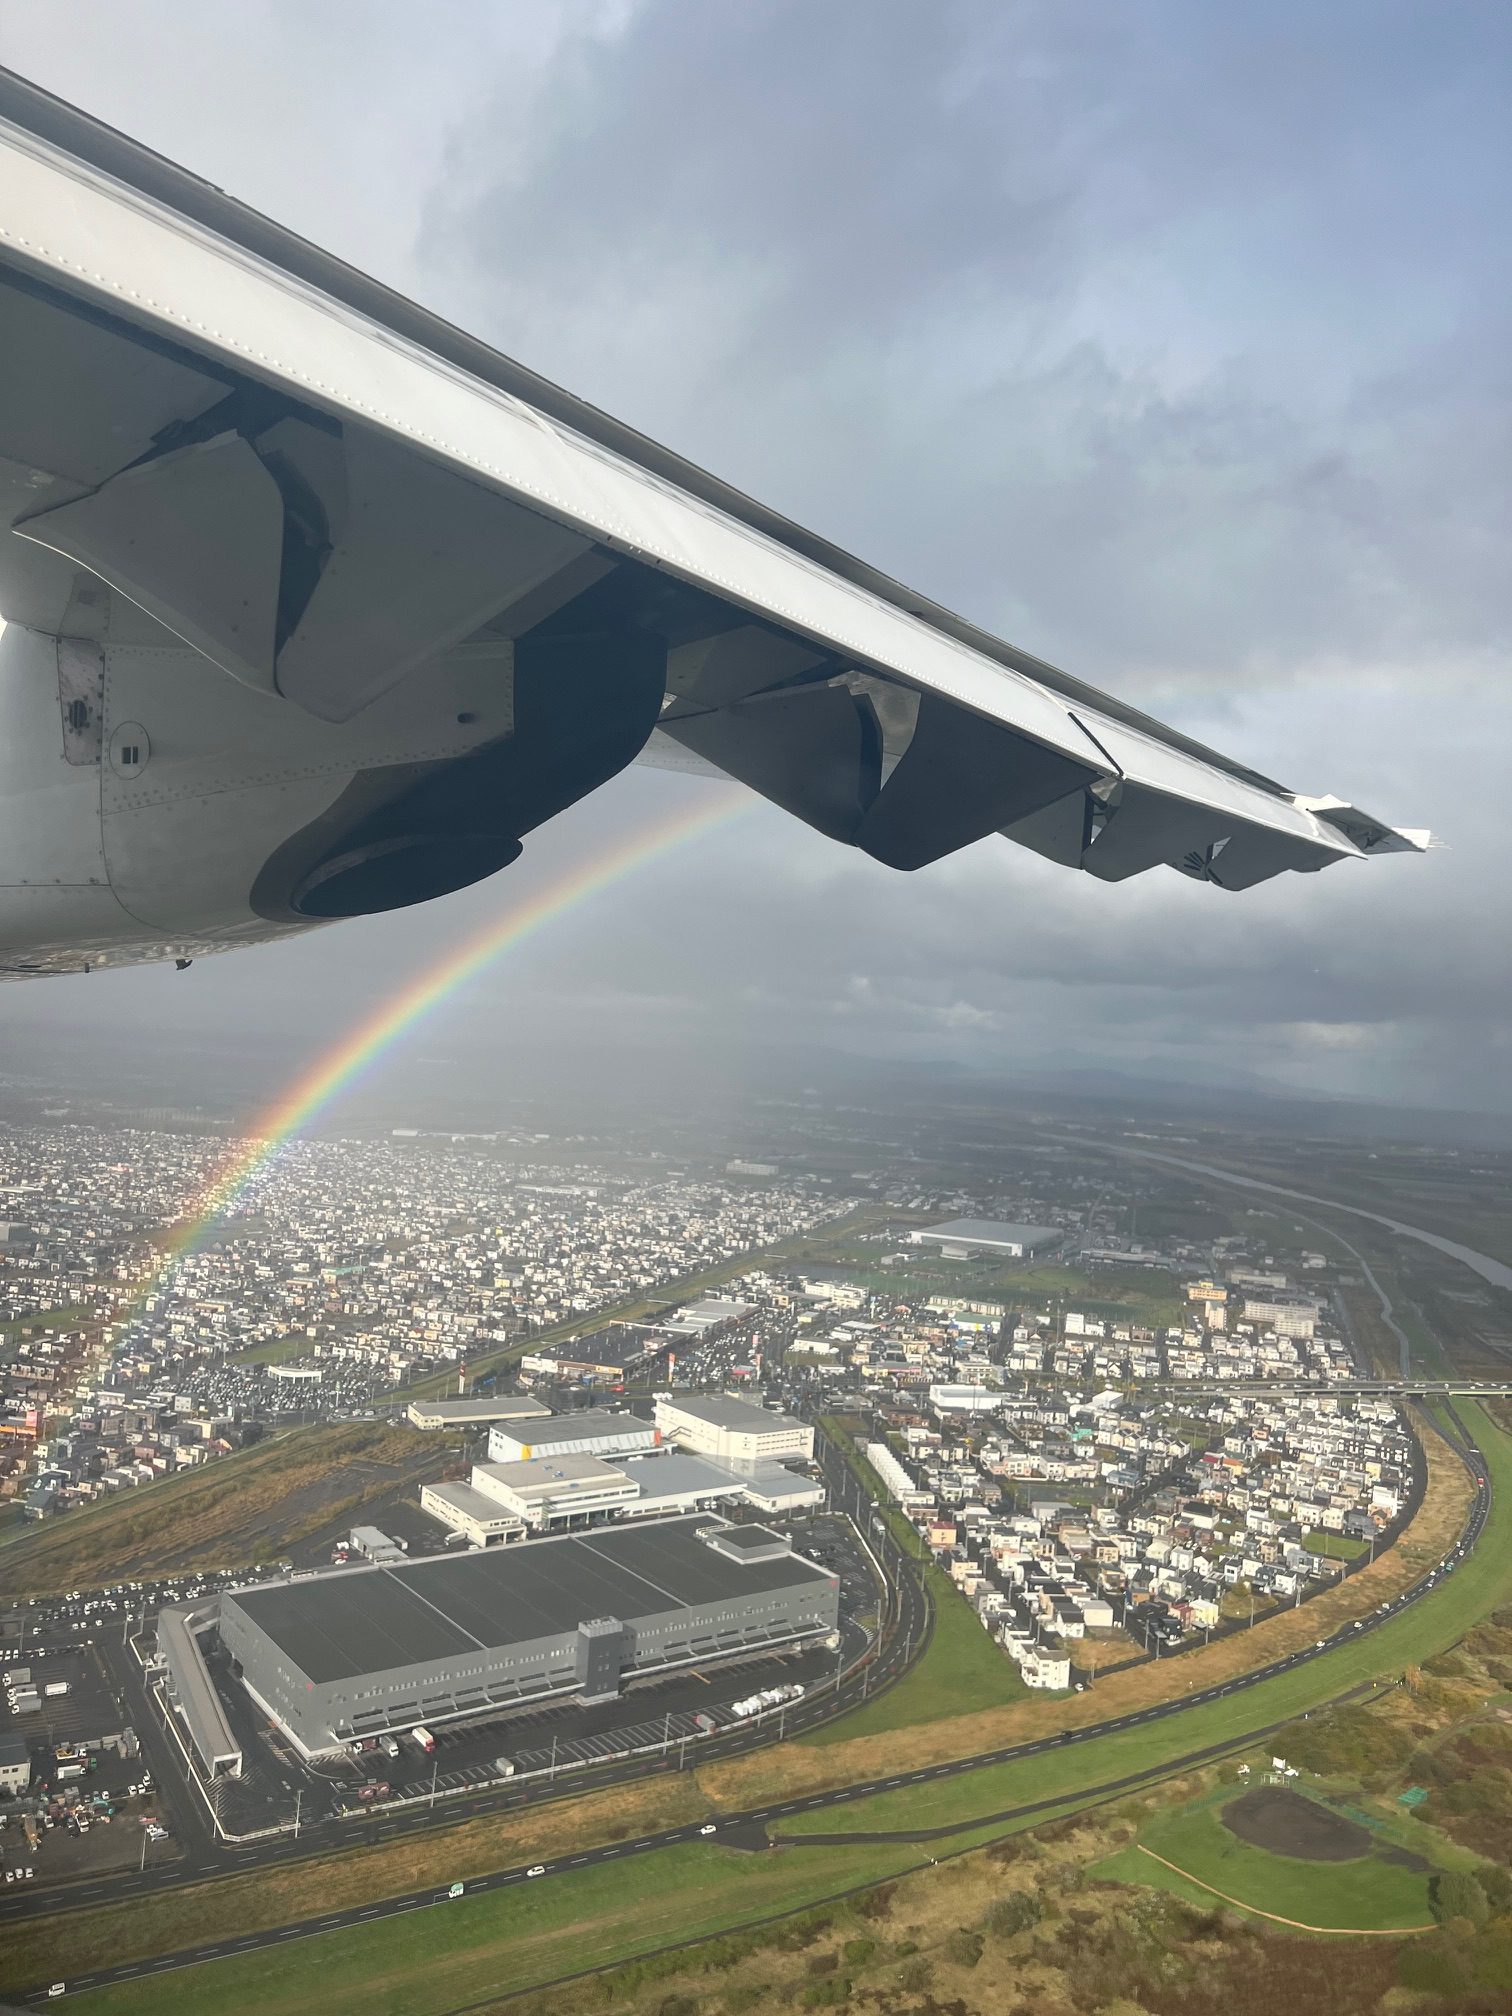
(961, 1238)
(356, 1652)
(546, 1493)
(593, 1432)
(475, 1413)
(733, 1431)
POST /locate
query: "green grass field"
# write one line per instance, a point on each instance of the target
(278, 1352)
(49, 1319)
(454, 1956)
(447, 1958)
(1335, 1546)
(961, 1670)
(1363, 1895)
(1479, 1585)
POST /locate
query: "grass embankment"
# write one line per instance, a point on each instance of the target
(1482, 1582)
(1011, 1913)
(237, 1905)
(222, 1515)
(1370, 1893)
(458, 1955)
(961, 1670)
(431, 1963)
(807, 1245)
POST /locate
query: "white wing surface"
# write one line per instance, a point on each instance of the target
(391, 600)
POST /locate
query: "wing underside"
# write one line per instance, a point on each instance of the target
(325, 496)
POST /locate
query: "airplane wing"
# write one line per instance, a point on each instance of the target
(326, 516)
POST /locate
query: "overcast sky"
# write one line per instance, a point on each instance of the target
(1170, 341)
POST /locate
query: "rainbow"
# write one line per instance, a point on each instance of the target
(366, 1046)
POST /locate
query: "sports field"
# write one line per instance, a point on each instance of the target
(1319, 1870)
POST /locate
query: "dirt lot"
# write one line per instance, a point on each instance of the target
(1284, 1823)
(243, 1508)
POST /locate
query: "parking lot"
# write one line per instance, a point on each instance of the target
(669, 1714)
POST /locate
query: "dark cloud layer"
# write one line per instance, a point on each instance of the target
(1171, 341)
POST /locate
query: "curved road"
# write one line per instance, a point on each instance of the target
(751, 1827)
(1497, 1272)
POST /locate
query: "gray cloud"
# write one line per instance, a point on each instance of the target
(1170, 341)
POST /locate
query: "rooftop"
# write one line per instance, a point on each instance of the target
(721, 1411)
(990, 1232)
(508, 1407)
(543, 1476)
(584, 1426)
(340, 1625)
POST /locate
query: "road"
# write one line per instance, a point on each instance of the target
(1405, 1388)
(749, 1826)
(1497, 1272)
(908, 1626)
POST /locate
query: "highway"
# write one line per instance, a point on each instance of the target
(908, 1626)
(1334, 1389)
(751, 1827)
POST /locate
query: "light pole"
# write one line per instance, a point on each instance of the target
(298, 1803)
(435, 1773)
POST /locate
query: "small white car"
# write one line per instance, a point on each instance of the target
(539, 1870)
(710, 1829)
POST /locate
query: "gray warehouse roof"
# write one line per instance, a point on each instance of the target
(193, 1687)
(586, 1425)
(337, 1626)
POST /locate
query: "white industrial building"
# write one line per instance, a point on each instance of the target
(960, 1238)
(594, 1432)
(505, 1501)
(896, 1479)
(1286, 1319)
(965, 1399)
(675, 1480)
(475, 1413)
(734, 1431)
(562, 1489)
(462, 1508)
(712, 1313)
